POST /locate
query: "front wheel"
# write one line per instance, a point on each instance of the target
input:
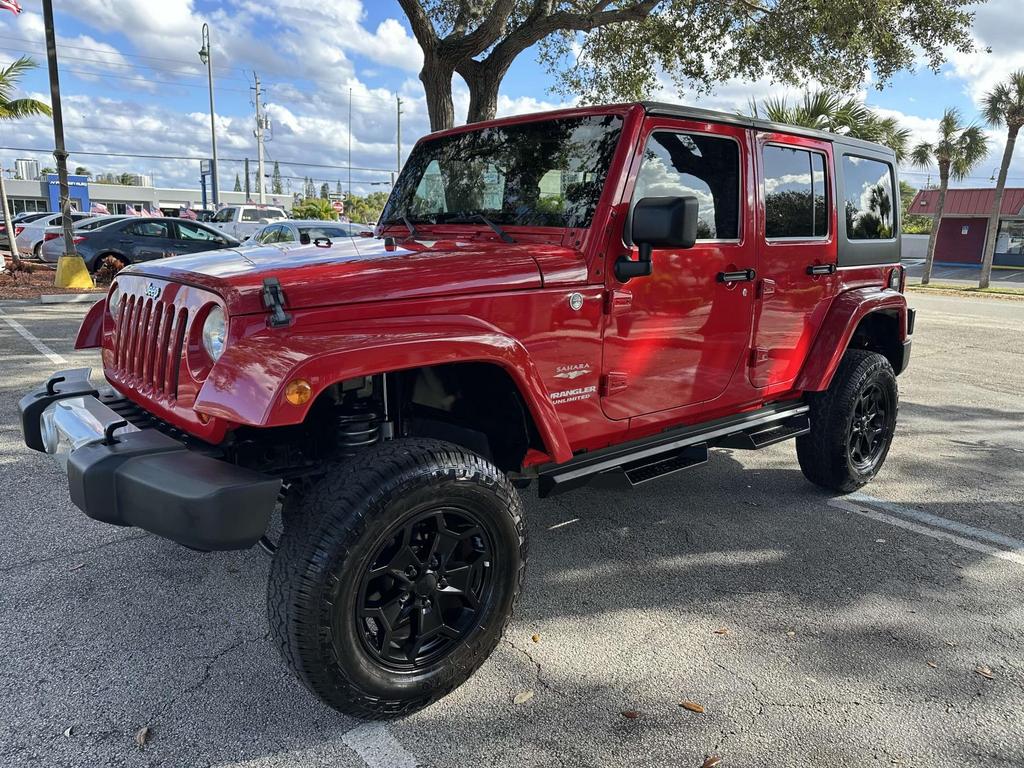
(396, 576)
(852, 423)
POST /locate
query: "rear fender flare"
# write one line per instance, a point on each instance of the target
(247, 384)
(833, 339)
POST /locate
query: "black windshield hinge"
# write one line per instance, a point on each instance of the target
(273, 300)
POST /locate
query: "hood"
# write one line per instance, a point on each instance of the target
(361, 270)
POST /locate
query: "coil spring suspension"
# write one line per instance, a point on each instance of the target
(357, 429)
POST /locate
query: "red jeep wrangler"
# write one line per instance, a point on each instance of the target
(598, 294)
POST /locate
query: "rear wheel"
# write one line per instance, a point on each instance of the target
(396, 576)
(852, 423)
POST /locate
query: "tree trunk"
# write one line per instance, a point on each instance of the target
(926, 276)
(993, 222)
(8, 226)
(436, 76)
(483, 96)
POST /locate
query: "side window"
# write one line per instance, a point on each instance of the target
(224, 215)
(256, 214)
(269, 234)
(707, 167)
(189, 231)
(148, 228)
(868, 194)
(795, 199)
(286, 236)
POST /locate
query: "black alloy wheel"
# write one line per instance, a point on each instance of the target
(869, 426)
(852, 423)
(424, 587)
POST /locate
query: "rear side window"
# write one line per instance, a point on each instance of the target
(868, 199)
(706, 167)
(148, 228)
(795, 201)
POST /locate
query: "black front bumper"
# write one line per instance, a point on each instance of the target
(150, 480)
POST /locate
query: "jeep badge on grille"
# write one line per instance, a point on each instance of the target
(152, 291)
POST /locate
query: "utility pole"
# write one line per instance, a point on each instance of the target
(398, 102)
(248, 195)
(260, 125)
(350, 142)
(71, 271)
(206, 55)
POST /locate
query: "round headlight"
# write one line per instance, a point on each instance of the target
(114, 300)
(214, 333)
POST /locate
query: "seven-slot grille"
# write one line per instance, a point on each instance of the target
(148, 344)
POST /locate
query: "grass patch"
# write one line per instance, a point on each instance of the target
(968, 290)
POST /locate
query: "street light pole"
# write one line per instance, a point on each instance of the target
(206, 55)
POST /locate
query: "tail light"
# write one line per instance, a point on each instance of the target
(18, 230)
(898, 279)
(48, 236)
(77, 239)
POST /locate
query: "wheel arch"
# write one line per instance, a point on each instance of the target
(247, 384)
(866, 318)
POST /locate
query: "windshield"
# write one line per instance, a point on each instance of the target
(547, 173)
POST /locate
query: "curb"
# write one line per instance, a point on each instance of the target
(70, 298)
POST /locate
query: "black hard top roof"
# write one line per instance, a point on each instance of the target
(709, 115)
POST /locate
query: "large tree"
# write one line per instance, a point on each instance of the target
(604, 50)
(836, 114)
(1002, 106)
(958, 148)
(15, 109)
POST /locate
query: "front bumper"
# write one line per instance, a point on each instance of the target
(123, 475)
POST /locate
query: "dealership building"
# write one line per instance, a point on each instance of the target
(964, 225)
(44, 195)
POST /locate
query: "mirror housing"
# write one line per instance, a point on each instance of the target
(658, 222)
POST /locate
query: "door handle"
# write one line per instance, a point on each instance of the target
(739, 276)
(821, 269)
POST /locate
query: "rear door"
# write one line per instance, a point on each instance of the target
(678, 336)
(148, 239)
(796, 244)
(193, 238)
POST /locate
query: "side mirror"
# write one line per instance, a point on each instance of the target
(304, 238)
(658, 222)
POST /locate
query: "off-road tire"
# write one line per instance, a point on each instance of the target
(824, 453)
(329, 543)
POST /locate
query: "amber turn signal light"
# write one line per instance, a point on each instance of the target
(298, 392)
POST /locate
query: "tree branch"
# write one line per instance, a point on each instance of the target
(484, 36)
(422, 27)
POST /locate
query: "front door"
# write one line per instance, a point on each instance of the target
(148, 239)
(678, 336)
(796, 255)
(194, 238)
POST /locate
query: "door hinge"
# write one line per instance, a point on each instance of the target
(758, 355)
(618, 302)
(765, 288)
(612, 382)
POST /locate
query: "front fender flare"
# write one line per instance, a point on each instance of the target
(843, 317)
(90, 332)
(247, 384)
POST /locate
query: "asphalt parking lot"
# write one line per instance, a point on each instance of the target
(885, 629)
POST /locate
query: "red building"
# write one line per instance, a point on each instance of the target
(961, 239)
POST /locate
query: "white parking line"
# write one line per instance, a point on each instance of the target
(858, 503)
(377, 747)
(31, 339)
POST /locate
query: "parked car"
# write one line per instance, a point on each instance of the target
(53, 237)
(239, 221)
(133, 240)
(204, 215)
(29, 234)
(638, 284)
(295, 232)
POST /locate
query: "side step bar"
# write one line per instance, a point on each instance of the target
(680, 448)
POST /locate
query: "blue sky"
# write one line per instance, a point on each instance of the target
(133, 83)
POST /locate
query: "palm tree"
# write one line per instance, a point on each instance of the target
(1003, 105)
(958, 150)
(15, 109)
(830, 112)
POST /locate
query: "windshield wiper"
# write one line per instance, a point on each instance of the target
(403, 217)
(505, 236)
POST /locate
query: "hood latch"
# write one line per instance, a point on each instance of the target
(273, 301)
